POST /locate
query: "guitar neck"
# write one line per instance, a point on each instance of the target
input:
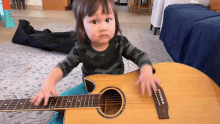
(54, 103)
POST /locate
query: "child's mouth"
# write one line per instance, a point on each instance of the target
(103, 36)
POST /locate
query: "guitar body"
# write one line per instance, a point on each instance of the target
(191, 96)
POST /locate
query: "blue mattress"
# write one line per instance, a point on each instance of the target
(189, 32)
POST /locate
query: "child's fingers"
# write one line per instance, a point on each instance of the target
(153, 86)
(40, 97)
(137, 82)
(46, 98)
(148, 88)
(54, 93)
(158, 81)
(143, 88)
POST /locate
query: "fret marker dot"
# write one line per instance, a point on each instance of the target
(69, 101)
(51, 106)
(5, 104)
(21, 103)
(78, 100)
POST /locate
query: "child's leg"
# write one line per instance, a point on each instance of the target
(78, 90)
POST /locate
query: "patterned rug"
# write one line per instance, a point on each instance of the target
(23, 69)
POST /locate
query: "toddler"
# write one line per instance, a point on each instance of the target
(100, 49)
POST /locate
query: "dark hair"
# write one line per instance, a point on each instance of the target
(82, 8)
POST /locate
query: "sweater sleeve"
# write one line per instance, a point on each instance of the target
(134, 54)
(71, 61)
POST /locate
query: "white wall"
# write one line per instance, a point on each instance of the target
(31, 2)
(204, 2)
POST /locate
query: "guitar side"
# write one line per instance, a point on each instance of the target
(192, 98)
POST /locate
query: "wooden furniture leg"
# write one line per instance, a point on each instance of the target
(19, 4)
(23, 3)
(118, 2)
(139, 5)
(135, 5)
(13, 4)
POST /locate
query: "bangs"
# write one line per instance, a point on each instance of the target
(91, 7)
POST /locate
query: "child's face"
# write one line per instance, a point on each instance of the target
(98, 25)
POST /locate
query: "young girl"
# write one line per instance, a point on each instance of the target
(100, 50)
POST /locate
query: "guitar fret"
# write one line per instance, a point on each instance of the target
(5, 104)
(17, 104)
(24, 103)
(67, 101)
(81, 101)
(50, 101)
(1, 102)
(85, 100)
(53, 102)
(61, 102)
(64, 102)
(9, 105)
(72, 101)
(56, 102)
(27, 104)
(30, 106)
(89, 100)
(76, 101)
(92, 100)
(43, 106)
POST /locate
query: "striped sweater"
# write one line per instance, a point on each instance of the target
(108, 61)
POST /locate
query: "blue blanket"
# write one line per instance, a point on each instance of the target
(189, 32)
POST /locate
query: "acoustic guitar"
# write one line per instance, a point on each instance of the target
(185, 95)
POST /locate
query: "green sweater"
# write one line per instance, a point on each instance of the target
(108, 61)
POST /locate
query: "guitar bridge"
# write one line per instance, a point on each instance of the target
(161, 103)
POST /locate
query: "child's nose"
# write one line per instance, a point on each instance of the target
(103, 26)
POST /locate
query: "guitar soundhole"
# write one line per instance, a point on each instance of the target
(110, 102)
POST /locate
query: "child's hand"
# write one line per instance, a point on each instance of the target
(147, 81)
(47, 89)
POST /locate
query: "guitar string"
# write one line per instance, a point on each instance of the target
(59, 106)
(84, 100)
(118, 96)
(114, 98)
(56, 109)
(78, 106)
(73, 102)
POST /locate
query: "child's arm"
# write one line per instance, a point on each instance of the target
(146, 77)
(48, 87)
(60, 71)
(137, 56)
(55, 75)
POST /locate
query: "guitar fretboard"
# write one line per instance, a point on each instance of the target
(54, 103)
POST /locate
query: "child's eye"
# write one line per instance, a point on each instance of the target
(94, 22)
(108, 20)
